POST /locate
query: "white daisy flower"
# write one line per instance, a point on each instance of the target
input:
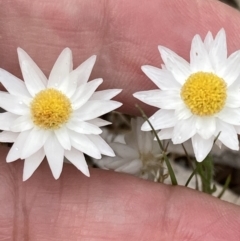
(198, 100)
(56, 117)
(139, 154)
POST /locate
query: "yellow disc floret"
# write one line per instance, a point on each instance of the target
(50, 109)
(204, 93)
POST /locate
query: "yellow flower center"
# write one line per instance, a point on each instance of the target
(50, 109)
(204, 93)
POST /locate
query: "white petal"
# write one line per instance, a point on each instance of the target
(32, 163)
(79, 76)
(179, 67)
(93, 109)
(16, 150)
(183, 130)
(84, 92)
(24, 57)
(13, 85)
(230, 71)
(102, 146)
(72, 80)
(208, 41)
(83, 127)
(218, 143)
(237, 128)
(8, 136)
(78, 92)
(201, 147)
(105, 94)
(99, 122)
(78, 160)
(199, 59)
(32, 80)
(131, 167)
(13, 104)
(206, 126)
(6, 120)
(84, 144)
(34, 141)
(124, 151)
(63, 137)
(235, 86)
(22, 123)
(233, 99)
(161, 77)
(85, 70)
(167, 99)
(228, 135)
(62, 67)
(182, 112)
(218, 51)
(113, 164)
(160, 120)
(229, 115)
(165, 134)
(55, 154)
(144, 140)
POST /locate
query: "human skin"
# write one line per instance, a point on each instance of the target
(108, 206)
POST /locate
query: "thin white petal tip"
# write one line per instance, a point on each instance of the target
(137, 95)
(67, 52)
(111, 154)
(118, 91)
(222, 30)
(161, 48)
(87, 174)
(119, 104)
(93, 58)
(100, 80)
(25, 178)
(145, 126)
(8, 160)
(98, 157)
(56, 177)
(67, 49)
(21, 52)
(144, 67)
(200, 158)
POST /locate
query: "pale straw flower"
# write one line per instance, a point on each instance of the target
(138, 154)
(55, 117)
(197, 100)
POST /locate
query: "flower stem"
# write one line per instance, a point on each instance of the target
(228, 180)
(193, 168)
(170, 169)
(205, 170)
(191, 176)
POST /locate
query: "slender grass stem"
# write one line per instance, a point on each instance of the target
(170, 169)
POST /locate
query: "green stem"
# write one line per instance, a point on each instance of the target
(205, 170)
(170, 169)
(191, 176)
(225, 186)
(191, 164)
